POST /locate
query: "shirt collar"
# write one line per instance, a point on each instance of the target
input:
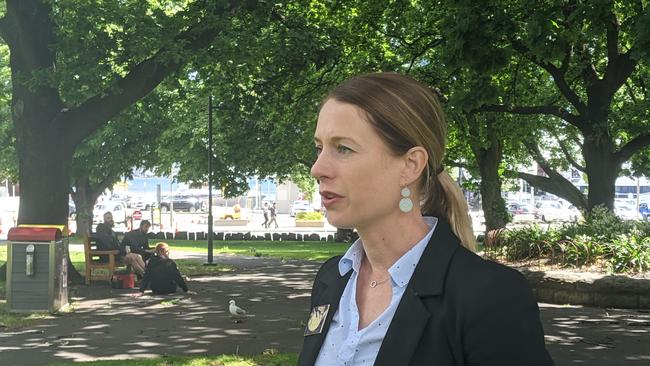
(402, 270)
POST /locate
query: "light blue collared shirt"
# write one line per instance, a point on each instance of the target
(346, 345)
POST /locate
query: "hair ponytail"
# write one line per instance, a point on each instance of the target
(445, 199)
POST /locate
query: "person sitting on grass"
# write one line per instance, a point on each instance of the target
(161, 273)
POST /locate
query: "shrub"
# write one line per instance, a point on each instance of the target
(601, 225)
(630, 253)
(309, 216)
(528, 242)
(580, 250)
(624, 245)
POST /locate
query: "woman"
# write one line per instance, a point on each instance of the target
(161, 273)
(410, 291)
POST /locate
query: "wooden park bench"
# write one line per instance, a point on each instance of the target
(106, 269)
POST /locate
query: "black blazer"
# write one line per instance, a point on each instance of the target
(458, 309)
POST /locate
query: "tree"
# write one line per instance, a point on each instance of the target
(129, 142)
(75, 66)
(593, 53)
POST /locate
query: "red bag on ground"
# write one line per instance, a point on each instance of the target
(123, 280)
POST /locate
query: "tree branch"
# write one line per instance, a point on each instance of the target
(561, 188)
(532, 110)
(568, 154)
(555, 183)
(140, 80)
(557, 74)
(632, 147)
(577, 142)
(430, 45)
(618, 70)
(534, 151)
(612, 38)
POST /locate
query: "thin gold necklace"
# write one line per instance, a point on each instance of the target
(374, 284)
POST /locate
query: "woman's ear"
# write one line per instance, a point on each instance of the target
(415, 161)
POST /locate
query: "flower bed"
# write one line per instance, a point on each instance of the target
(309, 219)
(603, 241)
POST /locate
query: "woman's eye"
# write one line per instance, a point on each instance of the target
(318, 150)
(343, 149)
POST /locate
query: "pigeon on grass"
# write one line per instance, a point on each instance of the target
(237, 314)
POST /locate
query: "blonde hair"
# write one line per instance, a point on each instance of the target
(406, 113)
(162, 249)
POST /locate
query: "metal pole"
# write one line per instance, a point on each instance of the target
(210, 220)
(638, 198)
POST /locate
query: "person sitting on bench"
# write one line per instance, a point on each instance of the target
(136, 246)
(106, 237)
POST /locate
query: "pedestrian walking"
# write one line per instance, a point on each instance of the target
(265, 212)
(274, 213)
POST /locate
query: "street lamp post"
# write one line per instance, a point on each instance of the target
(210, 220)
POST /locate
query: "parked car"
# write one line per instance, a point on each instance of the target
(626, 212)
(553, 211)
(300, 206)
(522, 212)
(644, 211)
(142, 202)
(574, 213)
(182, 203)
(477, 216)
(118, 209)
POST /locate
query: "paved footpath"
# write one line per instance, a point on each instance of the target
(110, 324)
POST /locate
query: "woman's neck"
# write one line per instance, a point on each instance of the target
(385, 243)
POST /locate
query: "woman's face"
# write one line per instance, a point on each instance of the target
(359, 176)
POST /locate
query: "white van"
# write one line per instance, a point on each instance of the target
(118, 209)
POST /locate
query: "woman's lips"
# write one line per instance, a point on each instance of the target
(329, 198)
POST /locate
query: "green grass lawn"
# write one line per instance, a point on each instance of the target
(270, 359)
(317, 251)
(306, 250)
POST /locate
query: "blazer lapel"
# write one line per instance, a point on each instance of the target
(404, 332)
(329, 291)
(412, 316)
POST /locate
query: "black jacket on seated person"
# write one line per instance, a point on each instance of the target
(107, 240)
(138, 242)
(162, 275)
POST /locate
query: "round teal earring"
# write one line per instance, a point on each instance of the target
(405, 204)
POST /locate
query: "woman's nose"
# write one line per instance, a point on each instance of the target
(318, 169)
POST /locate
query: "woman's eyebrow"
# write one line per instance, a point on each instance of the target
(336, 139)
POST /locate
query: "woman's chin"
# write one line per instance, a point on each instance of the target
(340, 223)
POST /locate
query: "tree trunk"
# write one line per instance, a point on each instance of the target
(494, 206)
(489, 160)
(602, 168)
(84, 198)
(47, 158)
(44, 178)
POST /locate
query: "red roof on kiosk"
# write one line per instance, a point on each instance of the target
(34, 234)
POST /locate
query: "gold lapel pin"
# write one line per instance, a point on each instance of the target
(317, 319)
